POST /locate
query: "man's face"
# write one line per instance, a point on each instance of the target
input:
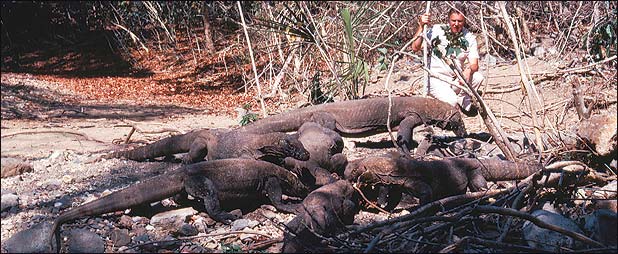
(456, 21)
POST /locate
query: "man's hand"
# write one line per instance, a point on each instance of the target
(423, 19)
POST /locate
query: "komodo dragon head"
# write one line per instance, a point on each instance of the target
(286, 146)
(455, 124)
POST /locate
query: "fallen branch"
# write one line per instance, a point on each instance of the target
(470, 239)
(52, 131)
(537, 222)
(367, 200)
(200, 236)
(492, 124)
(527, 84)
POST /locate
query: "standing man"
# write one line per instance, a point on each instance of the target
(447, 40)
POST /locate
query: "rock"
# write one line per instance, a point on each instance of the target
(120, 237)
(8, 201)
(7, 191)
(84, 241)
(187, 230)
(268, 207)
(32, 240)
(243, 223)
(55, 155)
(539, 52)
(601, 224)
(52, 184)
(599, 132)
(546, 239)
(63, 202)
(169, 242)
(269, 214)
(125, 221)
(142, 238)
(67, 179)
(237, 213)
(173, 216)
(195, 248)
(13, 166)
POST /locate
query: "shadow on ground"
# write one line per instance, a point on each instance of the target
(20, 101)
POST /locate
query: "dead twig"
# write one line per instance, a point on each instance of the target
(507, 246)
(52, 131)
(367, 200)
(537, 222)
(527, 84)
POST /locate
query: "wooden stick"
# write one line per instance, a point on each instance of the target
(126, 141)
(493, 126)
(537, 222)
(528, 86)
(425, 63)
(257, 81)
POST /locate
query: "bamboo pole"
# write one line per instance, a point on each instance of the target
(425, 74)
(257, 80)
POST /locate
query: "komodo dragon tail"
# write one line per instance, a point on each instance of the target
(164, 147)
(154, 189)
(502, 170)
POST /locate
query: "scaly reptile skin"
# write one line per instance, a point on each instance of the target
(366, 117)
(214, 144)
(435, 179)
(226, 183)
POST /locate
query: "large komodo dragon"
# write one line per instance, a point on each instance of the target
(434, 179)
(324, 211)
(226, 183)
(365, 117)
(215, 144)
(326, 162)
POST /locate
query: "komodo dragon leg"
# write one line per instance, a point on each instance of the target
(338, 163)
(201, 187)
(272, 189)
(197, 151)
(404, 134)
(309, 173)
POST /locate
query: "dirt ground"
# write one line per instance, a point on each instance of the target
(59, 131)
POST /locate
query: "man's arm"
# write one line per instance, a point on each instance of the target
(473, 67)
(418, 41)
(473, 58)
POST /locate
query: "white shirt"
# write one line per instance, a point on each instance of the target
(437, 64)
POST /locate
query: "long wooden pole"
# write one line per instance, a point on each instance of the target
(257, 79)
(425, 39)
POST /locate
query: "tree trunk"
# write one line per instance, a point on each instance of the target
(210, 46)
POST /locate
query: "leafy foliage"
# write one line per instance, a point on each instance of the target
(456, 42)
(231, 248)
(356, 73)
(382, 59)
(249, 117)
(603, 40)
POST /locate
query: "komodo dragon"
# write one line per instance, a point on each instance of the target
(226, 183)
(221, 144)
(366, 117)
(432, 180)
(324, 211)
(325, 157)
